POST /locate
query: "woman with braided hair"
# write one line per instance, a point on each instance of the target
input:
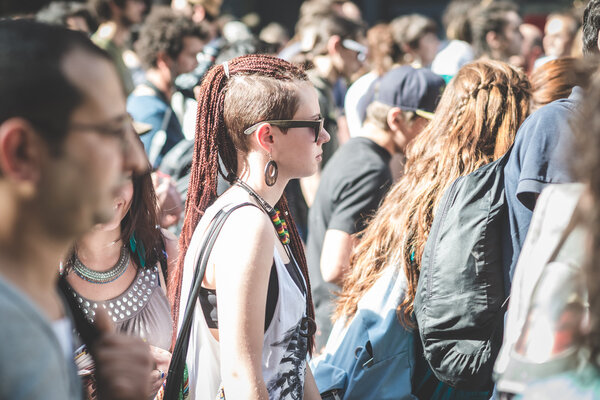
(475, 123)
(258, 125)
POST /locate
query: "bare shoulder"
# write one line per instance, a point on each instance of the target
(248, 221)
(247, 230)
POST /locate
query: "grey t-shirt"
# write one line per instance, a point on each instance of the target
(32, 363)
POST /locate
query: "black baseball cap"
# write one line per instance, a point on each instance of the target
(409, 89)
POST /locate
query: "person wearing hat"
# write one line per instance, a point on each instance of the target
(358, 176)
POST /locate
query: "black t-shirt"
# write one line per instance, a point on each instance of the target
(351, 188)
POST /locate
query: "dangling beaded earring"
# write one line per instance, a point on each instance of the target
(271, 172)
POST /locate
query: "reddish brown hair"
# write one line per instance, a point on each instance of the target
(554, 80)
(259, 87)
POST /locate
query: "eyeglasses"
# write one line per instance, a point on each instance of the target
(118, 126)
(360, 49)
(316, 125)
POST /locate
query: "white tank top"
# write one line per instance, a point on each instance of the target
(284, 348)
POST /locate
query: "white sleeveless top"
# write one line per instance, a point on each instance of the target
(284, 348)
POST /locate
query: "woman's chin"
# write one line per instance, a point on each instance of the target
(111, 225)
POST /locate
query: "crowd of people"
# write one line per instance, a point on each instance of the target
(198, 209)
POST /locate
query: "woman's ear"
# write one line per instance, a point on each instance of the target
(264, 136)
(334, 44)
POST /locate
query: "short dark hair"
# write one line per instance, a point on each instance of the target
(163, 31)
(32, 81)
(490, 18)
(591, 25)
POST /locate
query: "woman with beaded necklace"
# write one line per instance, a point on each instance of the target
(119, 266)
(261, 116)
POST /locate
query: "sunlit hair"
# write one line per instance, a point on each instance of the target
(383, 51)
(475, 122)
(554, 80)
(259, 88)
(585, 164)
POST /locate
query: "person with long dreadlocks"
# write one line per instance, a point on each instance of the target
(260, 116)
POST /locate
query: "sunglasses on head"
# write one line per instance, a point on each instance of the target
(315, 125)
(361, 50)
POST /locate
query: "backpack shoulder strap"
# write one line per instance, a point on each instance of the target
(179, 356)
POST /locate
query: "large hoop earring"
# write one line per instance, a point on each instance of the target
(271, 172)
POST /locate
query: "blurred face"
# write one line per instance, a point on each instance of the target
(133, 12)
(297, 154)
(558, 38)
(121, 206)
(186, 60)
(79, 185)
(428, 48)
(512, 37)
(351, 60)
(77, 24)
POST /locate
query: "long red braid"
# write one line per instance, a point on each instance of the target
(212, 140)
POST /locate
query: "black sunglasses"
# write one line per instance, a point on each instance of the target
(316, 125)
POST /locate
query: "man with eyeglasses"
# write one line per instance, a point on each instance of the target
(359, 175)
(62, 159)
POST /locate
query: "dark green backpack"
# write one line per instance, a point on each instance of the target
(460, 300)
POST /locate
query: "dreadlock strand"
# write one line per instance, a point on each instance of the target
(202, 176)
(298, 251)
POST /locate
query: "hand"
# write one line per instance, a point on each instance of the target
(162, 359)
(168, 198)
(123, 363)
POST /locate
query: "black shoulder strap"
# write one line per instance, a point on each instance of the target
(162, 259)
(177, 365)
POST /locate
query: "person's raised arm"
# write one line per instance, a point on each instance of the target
(335, 257)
